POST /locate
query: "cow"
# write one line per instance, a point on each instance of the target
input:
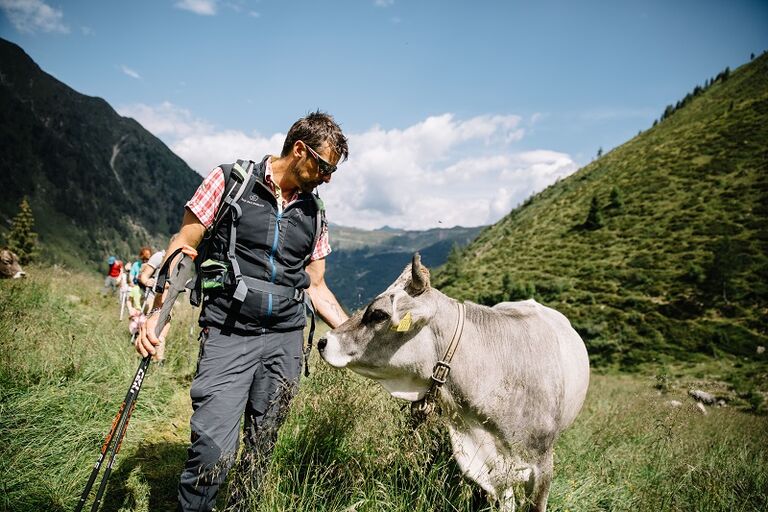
(9, 265)
(517, 379)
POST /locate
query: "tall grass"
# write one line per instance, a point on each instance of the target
(346, 445)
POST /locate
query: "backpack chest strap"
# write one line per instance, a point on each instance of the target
(260, 285)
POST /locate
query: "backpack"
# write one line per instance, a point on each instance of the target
(210, 274)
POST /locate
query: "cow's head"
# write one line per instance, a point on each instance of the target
(9, 265)
(390, 340)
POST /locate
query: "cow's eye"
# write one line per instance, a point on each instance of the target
(375, 316)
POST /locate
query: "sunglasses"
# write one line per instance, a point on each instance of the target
(324, 166)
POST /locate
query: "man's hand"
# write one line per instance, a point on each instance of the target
(146, 341)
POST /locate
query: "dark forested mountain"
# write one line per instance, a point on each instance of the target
(656, 250)
(98, 183)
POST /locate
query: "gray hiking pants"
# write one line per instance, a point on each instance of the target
(255, 374)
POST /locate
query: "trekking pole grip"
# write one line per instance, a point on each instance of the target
(177, 282)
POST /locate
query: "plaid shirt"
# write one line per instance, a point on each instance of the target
(205, 203)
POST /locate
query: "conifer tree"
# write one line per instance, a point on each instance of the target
(595, 216)
(617, 201)
(21, 239)
(728, 260)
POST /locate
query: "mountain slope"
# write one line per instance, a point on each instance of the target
(675, 261)
(99, 183)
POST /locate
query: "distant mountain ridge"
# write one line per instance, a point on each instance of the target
(364, 263)
(99, 183)
(657, 250)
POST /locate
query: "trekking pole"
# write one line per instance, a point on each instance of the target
(123, 300)
(185, 271)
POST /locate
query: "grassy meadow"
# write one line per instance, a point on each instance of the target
(347, 445)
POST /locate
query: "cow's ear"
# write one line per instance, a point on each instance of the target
(408, 313)
(419, 276)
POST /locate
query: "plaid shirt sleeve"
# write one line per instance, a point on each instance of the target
(205, 203)
(323, 246)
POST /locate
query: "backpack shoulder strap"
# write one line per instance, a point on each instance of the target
(320, 223)
(236, 176)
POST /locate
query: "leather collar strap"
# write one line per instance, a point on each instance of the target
(422, 408)
(443, 367)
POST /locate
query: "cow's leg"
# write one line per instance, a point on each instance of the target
(537, 487)
(471, 455)
(477, 455)
(507, 500)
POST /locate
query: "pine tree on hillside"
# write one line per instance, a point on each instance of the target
(21, 239)
(616, 201)
(595, 216)
(728, 260)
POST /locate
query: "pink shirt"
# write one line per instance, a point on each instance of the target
(205, 203)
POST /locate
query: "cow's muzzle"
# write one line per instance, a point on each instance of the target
(19, 274)
(330, 349)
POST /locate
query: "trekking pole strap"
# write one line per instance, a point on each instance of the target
(308, 350)
(177, 283)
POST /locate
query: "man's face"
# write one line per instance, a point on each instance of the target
(308, 170)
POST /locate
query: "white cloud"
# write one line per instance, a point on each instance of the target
(202, 7)
(32, 16)
(383, 3)
(441, 171)
(130, 72)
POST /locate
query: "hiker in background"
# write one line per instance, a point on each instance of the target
(144, 254)
(253, 313)
(112, 280)
(148, 273)
(125, 288)
(137, 290)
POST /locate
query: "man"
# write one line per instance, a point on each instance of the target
(250, 354)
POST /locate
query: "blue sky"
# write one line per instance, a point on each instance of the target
(456, 111)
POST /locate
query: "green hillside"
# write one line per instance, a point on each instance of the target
(673, 263)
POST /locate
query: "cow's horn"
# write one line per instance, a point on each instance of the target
(419, 274)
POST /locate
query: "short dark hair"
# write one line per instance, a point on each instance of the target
(315, 129)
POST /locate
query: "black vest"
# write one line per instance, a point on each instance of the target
(270, 247)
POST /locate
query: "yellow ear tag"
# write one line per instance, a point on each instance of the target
(405, 323)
